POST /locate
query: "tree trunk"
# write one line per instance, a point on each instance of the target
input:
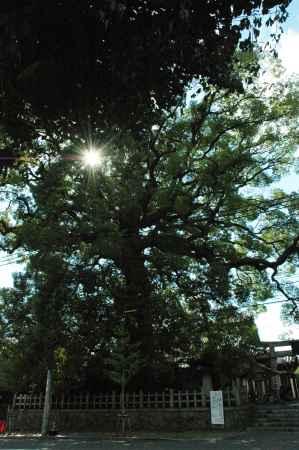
(137, 299)
(47, 404)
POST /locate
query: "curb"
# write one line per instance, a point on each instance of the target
(109, 437)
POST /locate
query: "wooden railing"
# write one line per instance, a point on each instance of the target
(133, 400)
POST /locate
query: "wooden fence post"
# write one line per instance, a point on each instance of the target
(62, 401)
(141, 398)
(229, 400)
(156, 399)
(187, 399)
(113, 400)
(163, 400)
(171, 398)
(195, 399)
(14, 401)
(148, 401)
(179, 399)
(203, 398)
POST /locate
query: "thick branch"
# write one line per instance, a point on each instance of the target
(261, 263)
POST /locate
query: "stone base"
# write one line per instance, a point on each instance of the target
(179, 420)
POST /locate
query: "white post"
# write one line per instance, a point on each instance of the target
(47, 404)
(293, 388)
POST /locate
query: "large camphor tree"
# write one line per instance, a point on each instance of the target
(173, 227)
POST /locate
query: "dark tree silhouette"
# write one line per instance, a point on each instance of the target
(74, 65)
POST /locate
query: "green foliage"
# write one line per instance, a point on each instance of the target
(230, 344)
(125, 359)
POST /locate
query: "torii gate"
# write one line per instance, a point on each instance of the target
(274, 354)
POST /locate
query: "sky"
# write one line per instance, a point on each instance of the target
(269, 324)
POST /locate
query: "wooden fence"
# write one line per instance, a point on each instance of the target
(133, 400)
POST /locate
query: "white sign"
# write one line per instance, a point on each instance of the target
(216, 403)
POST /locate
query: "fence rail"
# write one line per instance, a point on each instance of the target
(133, 400)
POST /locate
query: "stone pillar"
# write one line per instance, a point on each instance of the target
(236, 390)
(246, 386)
(263, 388)
(275, 379)
(254, 387)
(207, 385)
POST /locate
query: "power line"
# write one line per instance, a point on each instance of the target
(11, 256)
(10, 261)
(17, 261)
(286, 277)
(271, 303)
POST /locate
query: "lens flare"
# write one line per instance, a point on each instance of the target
(92, 158)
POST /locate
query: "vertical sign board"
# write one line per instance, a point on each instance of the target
(216, 403)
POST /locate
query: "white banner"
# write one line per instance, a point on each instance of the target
(216, 403)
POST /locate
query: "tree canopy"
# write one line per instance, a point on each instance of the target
(68, 66)
(179, 227)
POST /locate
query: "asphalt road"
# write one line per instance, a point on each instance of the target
(243, 441)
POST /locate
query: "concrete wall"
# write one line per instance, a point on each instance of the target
(236, 418)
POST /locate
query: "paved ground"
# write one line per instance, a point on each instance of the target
(242, 441)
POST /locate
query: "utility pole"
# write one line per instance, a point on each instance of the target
(47, 404)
